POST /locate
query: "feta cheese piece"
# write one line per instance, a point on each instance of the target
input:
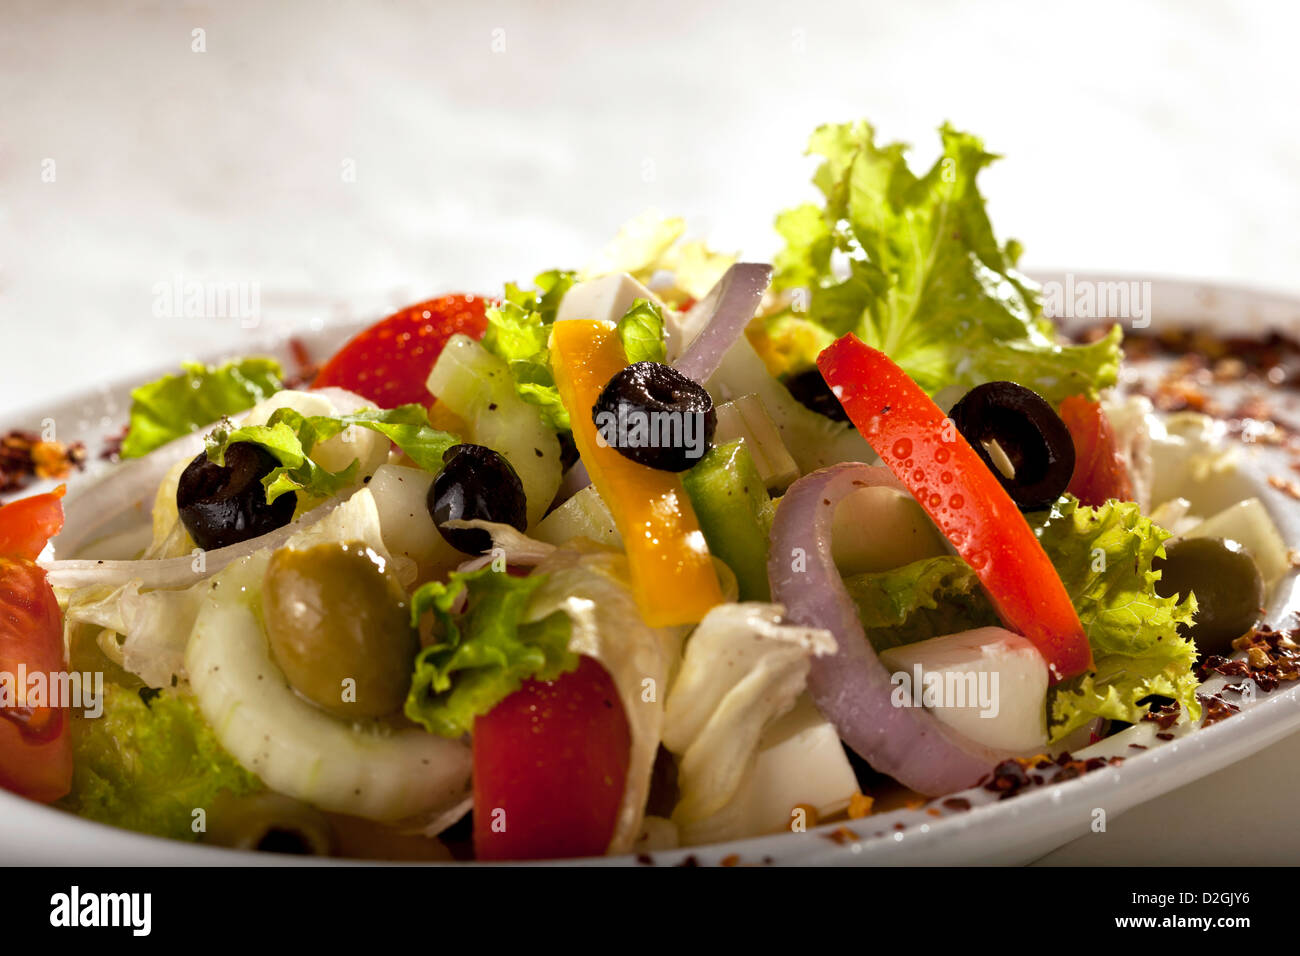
(989, 685)
(608, 297)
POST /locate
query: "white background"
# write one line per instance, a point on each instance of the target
(1141, 137)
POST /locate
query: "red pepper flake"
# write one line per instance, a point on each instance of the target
(1272, 658)
(842, 836)
(956, 804)
(1216, 709)
(731, 859)
(26, 456)
(1164, 736)
(1164, 715)
(1286, 486)
(1009, 778)
(305, 368)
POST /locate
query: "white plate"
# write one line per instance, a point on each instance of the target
(1009, 831)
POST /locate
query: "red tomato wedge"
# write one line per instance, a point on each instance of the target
(1099, 469)
(35, 748)
(954, 486)
(28, 523)
(390, 362)
(550, 765)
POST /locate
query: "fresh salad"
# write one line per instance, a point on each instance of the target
(671, 550)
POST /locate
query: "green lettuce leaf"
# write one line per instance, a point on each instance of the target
(927, 281)
(641, 330)
(518, 332)
(290, 436)
(176, 405)
(147, 766)
(924, 599)
(1104, 558)
(484, 652)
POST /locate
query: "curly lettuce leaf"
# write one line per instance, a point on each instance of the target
(927, 281)
(921, 600)
(484, 651)
(641, 330)
(290, 437)
(148, 763)
(1104, 558)
(176, 405)
(518, 332)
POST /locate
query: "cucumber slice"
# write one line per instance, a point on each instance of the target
(585, 515)
(476, 386)
(297, 749)
(735, 514)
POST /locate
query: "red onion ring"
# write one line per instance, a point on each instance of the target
(852, 687)
(730, 305)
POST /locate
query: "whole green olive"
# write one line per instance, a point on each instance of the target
(1226, 581)
(271, 822)
(339, 628)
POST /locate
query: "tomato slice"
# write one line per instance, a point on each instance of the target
(954, 486)
(27, 524)
(389, 363)
(1100, 472)
(550, 765)
(35, 747)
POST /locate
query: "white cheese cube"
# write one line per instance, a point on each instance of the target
(989, 685)
(608, 297)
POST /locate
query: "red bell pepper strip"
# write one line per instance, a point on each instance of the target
(1099, 470)
(923, 448)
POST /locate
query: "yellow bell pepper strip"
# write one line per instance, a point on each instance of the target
(673, 578)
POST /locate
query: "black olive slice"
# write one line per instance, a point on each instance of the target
(656, 416)
(811, 391)
(1035, 441)
(221, 505)
(476, 484)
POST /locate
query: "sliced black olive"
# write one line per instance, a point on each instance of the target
(656, 416)
(476, 484)
(1227, 583)
(1027, 430)
(811, 391)
(221, 505)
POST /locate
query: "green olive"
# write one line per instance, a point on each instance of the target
(271, 822)
(339, 627)
(1226, 581)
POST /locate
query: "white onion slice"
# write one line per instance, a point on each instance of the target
(174, 572)
(852, 688)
